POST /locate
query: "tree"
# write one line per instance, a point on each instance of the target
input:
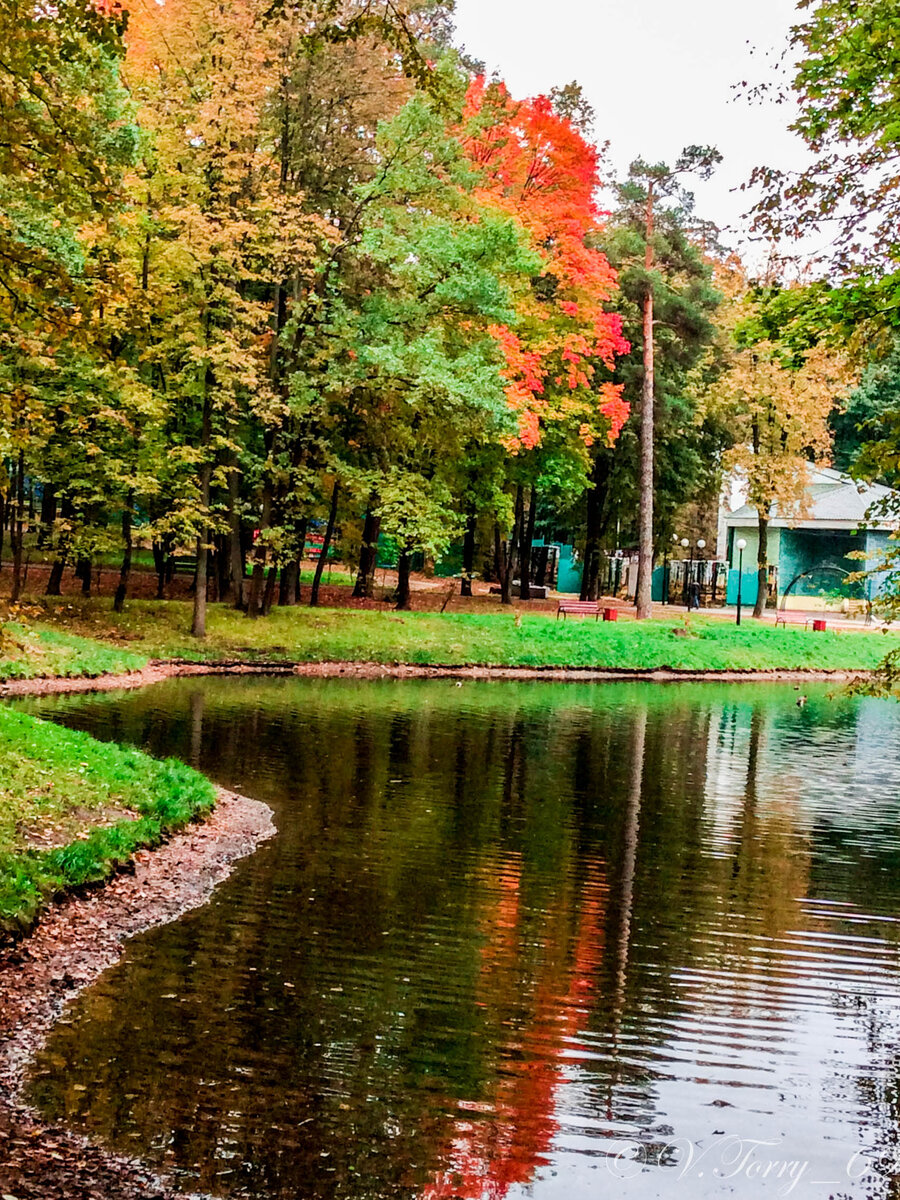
(846, 84)
(656, 182)
(66, 138)
(536, 165)
(687, 443)
(864, 418)
(779, 412)
(405, 371)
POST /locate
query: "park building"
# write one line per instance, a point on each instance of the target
(812, 556)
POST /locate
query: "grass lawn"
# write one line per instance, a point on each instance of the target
(29, 652)
(162, 630)
(72, 809)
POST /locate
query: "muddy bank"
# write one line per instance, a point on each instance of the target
(75, 942)
(156, 672)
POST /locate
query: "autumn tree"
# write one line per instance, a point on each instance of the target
(407, 371)
(779, 406)
(66, 137)
(534, 164)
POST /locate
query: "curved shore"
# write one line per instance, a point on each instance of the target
(157, 672)
(74, 943)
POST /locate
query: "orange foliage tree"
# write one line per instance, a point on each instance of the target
(538, 167)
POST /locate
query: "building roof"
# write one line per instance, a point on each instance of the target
(835, 502)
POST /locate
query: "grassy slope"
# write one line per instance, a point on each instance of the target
(302, 634)
(72, 809)
(27, 653)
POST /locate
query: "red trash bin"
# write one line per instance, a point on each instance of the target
(610, 614)
(819, 625)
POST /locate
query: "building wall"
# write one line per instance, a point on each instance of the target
(795, 551)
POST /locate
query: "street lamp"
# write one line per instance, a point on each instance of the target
(701, 546)
(742, 546)
(687, 579)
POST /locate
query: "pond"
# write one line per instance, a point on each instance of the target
(561, 941)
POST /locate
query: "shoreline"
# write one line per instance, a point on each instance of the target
(159, 671)
(74, 943)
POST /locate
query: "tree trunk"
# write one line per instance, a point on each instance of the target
(644, 598)
(255, 603)
(525, 556)
(326, 543)
(160, 560)
(468, 570)
(198, 624)
(269, 594)
(125, 572)
(501, 559)
(289, 589)
(48, 515)
(762, 563)
(403, 592)
(368, 555)
(590, 578)
(54, 582)
(287, 584)
(516, 541)
(234, 540)
(17, 528)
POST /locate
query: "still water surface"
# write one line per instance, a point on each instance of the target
(560, 941)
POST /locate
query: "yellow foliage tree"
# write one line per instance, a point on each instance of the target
(778, 407)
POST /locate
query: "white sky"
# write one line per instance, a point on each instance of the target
(660, 74)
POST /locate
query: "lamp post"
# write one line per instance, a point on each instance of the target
(687, 579)
(742, 546)
(701, 546)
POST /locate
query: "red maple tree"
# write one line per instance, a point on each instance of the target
(539, 168)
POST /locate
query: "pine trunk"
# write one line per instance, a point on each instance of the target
(644, 597)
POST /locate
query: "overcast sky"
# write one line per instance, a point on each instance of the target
(660, 73)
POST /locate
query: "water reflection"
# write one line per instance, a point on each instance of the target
(513, 938)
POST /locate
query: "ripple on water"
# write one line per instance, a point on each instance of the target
(513, 938)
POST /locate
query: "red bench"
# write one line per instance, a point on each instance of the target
(579, 608)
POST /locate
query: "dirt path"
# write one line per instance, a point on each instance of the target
(74, 943)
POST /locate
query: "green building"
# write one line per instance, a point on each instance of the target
(811, 558)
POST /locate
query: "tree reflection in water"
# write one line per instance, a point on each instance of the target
(506, 931)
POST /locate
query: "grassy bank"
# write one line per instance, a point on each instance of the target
(72, 810)
(317, 635)
(29, 652)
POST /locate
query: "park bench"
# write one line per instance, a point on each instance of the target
(184, 564)
(786, 618)
(579, 608)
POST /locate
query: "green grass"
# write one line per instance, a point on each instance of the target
(72, 810)
(162, 630)
(30, 652)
